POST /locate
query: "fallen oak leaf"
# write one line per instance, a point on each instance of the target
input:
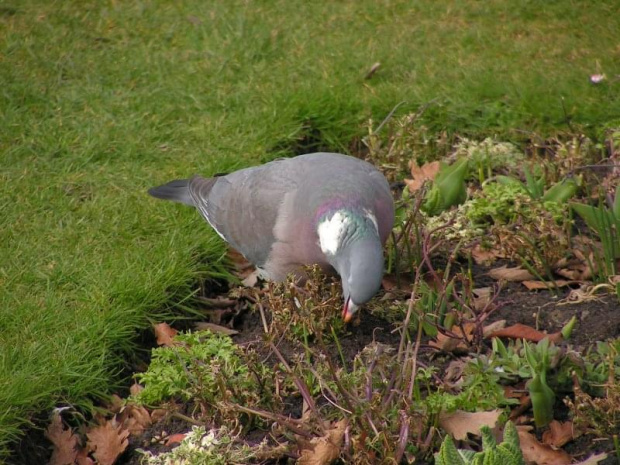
(326, 449)
(460, 423)
(107, 442)
(539, 453)
(559, 434)
(65, 442)
(521, 331)
(83, 458)
(426, 172)
(516, 274)
(135, 418)
(164, 334)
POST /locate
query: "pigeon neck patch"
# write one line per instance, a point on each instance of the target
(336, 230)
(332, 231)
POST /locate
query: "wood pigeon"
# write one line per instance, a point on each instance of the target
(328, 209)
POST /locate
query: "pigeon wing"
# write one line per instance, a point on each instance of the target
(243, 207)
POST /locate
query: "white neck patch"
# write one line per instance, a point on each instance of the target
(368, 214)
(331, 231)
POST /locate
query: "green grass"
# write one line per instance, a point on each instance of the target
(101, 99)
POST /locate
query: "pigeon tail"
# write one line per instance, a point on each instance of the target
(177, 191)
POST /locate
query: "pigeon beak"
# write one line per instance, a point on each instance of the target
(348, 310)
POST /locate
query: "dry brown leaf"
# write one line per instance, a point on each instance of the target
(135, 418)
(482, 297)
(539, 453)
(135, 389)
(83, 458)
(593, 460)
(164, 334)
(175, 439)
(521, 331)
(427, 172)
(217, 329)
(373, 69)
(493, 327)
(64, 441)
(454, 344)
(484, 256)
(459, 423)
(158, 414)
(578, 268)
(517, 274)
(326, 449)
(537, 285)
(558, 434)
(448, 343)
(107, 442)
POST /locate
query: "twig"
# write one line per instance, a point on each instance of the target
(301, 386)
(190, 420)
(414, 366)
(290, 423)
(387, 118)
(403, 436)
(262, 317)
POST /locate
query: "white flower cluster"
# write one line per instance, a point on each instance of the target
(197, 448)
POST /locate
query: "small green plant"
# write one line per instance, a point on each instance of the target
(534, 186)
(600, 414)
(604, 221)
(209, 369)
(542, 396)
(508, 452)
(448, 188)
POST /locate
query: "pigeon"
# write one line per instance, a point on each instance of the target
(328, 209)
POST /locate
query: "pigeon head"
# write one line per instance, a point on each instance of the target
(352, 246)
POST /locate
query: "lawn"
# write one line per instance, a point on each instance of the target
(101, 100)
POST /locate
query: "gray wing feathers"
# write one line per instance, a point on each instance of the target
(243, 208)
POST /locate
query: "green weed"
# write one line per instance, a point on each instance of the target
(210, 370)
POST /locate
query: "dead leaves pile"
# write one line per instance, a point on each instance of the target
(102, 443)
(325, 449)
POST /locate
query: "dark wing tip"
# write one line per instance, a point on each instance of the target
(176, 190)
